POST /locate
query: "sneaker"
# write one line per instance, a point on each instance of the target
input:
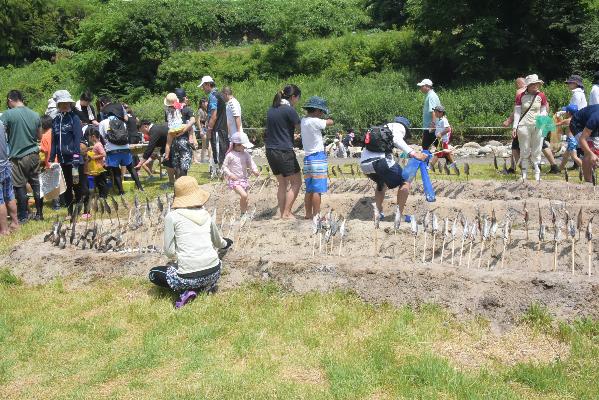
(511, 171)
(381, 216)
(185, 298)
(554, 169)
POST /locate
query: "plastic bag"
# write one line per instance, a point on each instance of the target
(52, 182)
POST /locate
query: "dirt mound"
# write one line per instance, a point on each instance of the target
(266, 248)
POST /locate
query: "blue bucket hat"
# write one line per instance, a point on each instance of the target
(570, 109)
(403, 120)
(318, 103)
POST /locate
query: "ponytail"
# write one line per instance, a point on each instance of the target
(287, 92)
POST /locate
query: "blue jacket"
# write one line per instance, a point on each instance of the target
(66, 137)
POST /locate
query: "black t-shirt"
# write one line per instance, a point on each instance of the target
(84, 114)
(280, 127)
(221, 114)
(158, 134)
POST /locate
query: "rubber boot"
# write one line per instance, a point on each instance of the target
(22, 206)
(537, 173)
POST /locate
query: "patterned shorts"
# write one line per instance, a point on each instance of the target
(179, 284)
(241, 182)
(7, 193)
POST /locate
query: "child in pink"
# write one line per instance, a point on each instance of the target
(236, 165)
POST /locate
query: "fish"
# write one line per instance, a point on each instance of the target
(454, 227)
(426, 221)
(467, 169)
(136, 201)
(435, 225)
(351, 169)
(101, 204)
(495, 162)
(580, 177)
(397, 221)
(260, 169)
(465, 228)
(342, 229)
(507, 230)
(446, 227)
(553, 215)
(160, 205)
(525, 213)
(115, 205)
(493, 224)
(486, 228)
(106, 206)
(433, 167)
(377, 217)
(414, 225)
(566, 176)
(334, 171)
(589, 230)
(557, 232)
(446, 169)
(456, 169)
(148, 207)
(572, 229)
(579, 220)
(505, 171)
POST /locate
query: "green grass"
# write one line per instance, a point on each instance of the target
(123, 339)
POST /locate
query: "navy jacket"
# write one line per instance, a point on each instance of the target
(66, 137)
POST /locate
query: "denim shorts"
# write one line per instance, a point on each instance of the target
(7, 193)
(119, 158)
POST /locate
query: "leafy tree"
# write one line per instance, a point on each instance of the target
(387, 13)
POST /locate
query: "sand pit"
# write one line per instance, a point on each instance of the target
(282, 251)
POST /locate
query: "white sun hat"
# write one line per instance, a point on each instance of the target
(425, 82)
(242, 138)
(206, 79)
(533, 78)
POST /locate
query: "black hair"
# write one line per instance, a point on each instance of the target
(227, 90)
(46, 121)
(15, 95)
(310, 110)
(86, 96)
(145, 122)
(287, 92)
(105, 100)
(203, 100)
(93, 131)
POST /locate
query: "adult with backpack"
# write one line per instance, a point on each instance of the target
(113, 130)
(378, 164)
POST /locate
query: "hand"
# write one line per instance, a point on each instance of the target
(167, 155)
(514, 133)
(139, 164)
(229, 243)
(506, 123)
(419, 156)
(594, 160)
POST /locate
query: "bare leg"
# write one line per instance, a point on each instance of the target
(308, 205)
(243, 198)
(587, 167)
(565, 158)
(379, 196)
(316, 199)
(3, 221)
(575, 158)
(549, 156)
(281, 192)
(11, 207)
(295, 183)
(402, 195)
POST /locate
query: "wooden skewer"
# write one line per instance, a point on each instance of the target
(434, 239)
(482, 247)
(442, 250)
(503, 254)
(555, 257)
(452, 250)
(573, 254)
(469, 255)
(461, 251)
(590, 255)
(424, 247)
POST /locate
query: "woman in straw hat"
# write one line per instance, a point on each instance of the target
(529, 105)
(191, 238)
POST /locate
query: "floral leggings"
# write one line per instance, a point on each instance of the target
(167, 277)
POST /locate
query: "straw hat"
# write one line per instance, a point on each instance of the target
(530, 79)
(188, 193)
(170, 99)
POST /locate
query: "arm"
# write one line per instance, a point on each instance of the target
(167, 148)
(215, 236)
(211, 123)
(52, 156)
(238, 123)
(252, 165)
(517, 113)
(227, 170)
(170, 245)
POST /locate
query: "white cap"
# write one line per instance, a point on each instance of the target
(206, 79)
(425, 82)
(242, 138)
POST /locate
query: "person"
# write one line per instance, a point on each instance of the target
(114, 132)
(158, 135)
(380, 166)
(586, 121)
(84, 109)
(431, 100)
(233, 112)
(46, 148)
(8, 205)
(530, 104)
(132, 126)
(181, 140)
(520, 88)
(96, 156)
(216, 127)
(594, 94)
(236, 165)
(282, 121)
(315, 158)
(348, 141)
(336, 149)
(443, 135)
(66, 146)
(576, 86)
(191, 238)
(201, 123)
(22, 129)
(571, 139)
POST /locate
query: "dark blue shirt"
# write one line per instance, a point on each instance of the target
(587, 117)
(280, 127)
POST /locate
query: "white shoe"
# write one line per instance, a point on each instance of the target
(537, 173)
(524, 174)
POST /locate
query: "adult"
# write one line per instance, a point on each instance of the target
(158, 135)
(576, 86)
(84, 109)
(191, 238)
(182, 144)
(529, 105)
(282, 122)
(380, 166)
(431, 100)
(594, 95)
(66, 145)
(348, 141)
(132, 125)
(216, 127)
(520, 88)
(23, 131)
(233, 112)
(8, 206)
(586, 122)
(113, 130)
(202, 118)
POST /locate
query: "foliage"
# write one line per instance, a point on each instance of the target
(8, 278)
(387, 13)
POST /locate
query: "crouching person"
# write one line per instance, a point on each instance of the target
(378, 164)
(190, 241)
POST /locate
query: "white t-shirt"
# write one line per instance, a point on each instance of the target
(233, 110)
(311, 129)
(440, 126)
(594, 95)
(578, 98)
(399, 132)
(103, 129)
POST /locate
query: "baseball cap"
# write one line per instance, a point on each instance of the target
(180, 93)
(439, 108)
(570, 109)
(425, 82)
(206, 79)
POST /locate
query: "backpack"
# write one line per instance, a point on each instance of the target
(117, 132)
(379, 139)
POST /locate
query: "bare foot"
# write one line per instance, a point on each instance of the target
(13, 227)
(289, 217)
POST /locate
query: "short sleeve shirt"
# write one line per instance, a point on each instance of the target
(534, 102)
(216, 103)
(233, 110)
(312, 134)
(3, 148)
(430, 101)
(280, 127)
(440, 126)
(21, 126)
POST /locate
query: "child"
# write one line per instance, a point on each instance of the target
(8, 204)
(443, 134)
(571, 139)
(236, 165)
(95, 157)
(45, 148)
(315, 159)
(181, 139)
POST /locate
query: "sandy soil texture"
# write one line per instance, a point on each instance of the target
(383, 265)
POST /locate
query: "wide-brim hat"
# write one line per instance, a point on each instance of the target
(188, 193)
(317, 103)
(170, 99)
(206, 79)
(63, 96)
(531, 79)
(577, 79)
(243, 139)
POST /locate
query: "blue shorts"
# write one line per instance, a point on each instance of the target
(119, 158)
(572, 143)
(7, 193)
(315, 172)
(392, 177)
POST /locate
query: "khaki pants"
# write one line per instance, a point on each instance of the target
(531, 143)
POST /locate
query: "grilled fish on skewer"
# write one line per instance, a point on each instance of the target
(445, 236)
(526, 216)
(579, 222)
(465, 233)
(397, 220)
(435, 228)
(414, 228)
(505, 171)
(446, 169)
(495, 162)
(467, 170)
(454, 231)
(425, 224)
(589, 237)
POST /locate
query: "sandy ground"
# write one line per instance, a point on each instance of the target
(267, 248)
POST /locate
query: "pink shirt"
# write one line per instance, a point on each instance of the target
(237, 163)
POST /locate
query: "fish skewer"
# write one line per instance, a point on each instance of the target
(525, 212)
(414, 227)
(541, 236)
(425, 224)
(467, 171)
(572, 232)
(454, 231)
(485, 235)
(556, 238)
(492, 234)
(435, 227)
(589, 237)
(445, 236)
(473, 234)
(341, 235)
(465, 233)
(315, 230)
(507, 230)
